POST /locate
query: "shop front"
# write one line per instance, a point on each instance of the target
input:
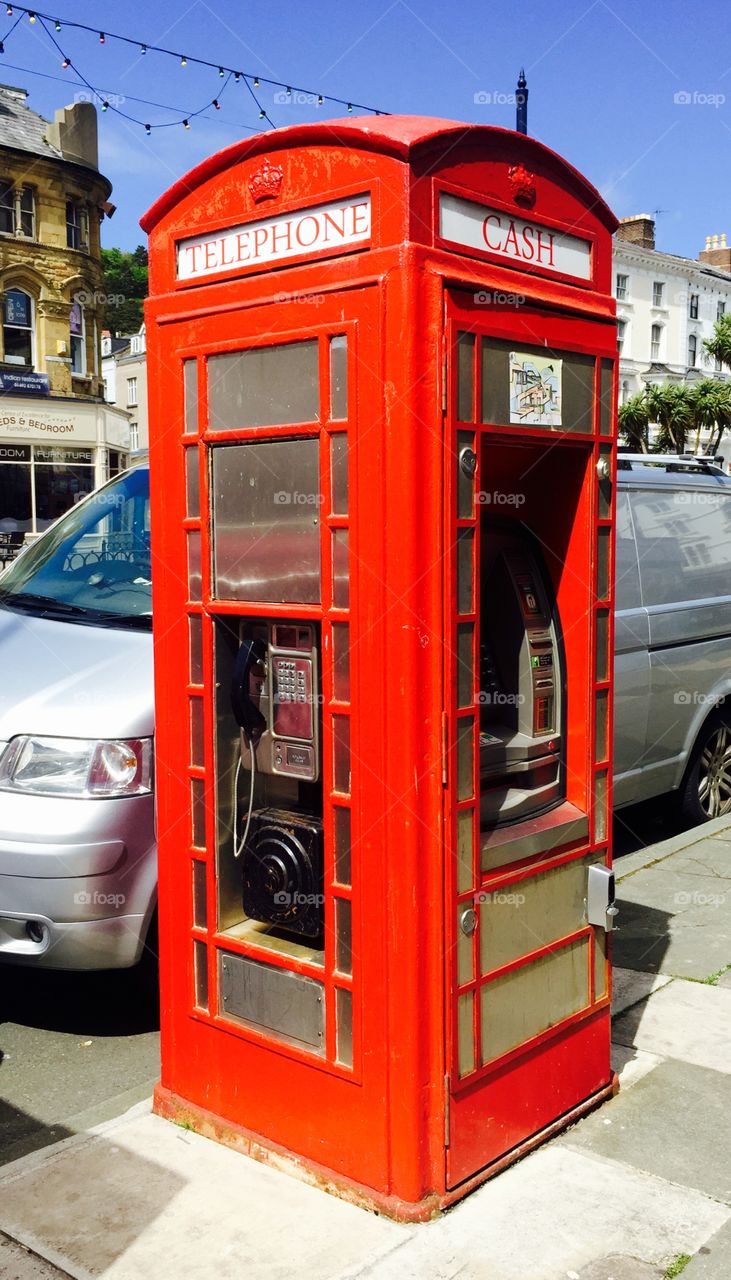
(51, 456)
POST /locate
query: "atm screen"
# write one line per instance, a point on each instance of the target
(521, 682)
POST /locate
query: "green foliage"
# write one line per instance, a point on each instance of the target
(634, 423)
(719, 346)
(125, 286)
(677, 1266)
(681, 411)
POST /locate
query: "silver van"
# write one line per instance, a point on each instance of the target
(78, 869)
(673, 634)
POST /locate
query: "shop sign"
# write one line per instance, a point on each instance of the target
(475, 226)
(35, 384)
(57, 453)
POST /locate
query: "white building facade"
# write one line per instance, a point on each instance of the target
(666, 307)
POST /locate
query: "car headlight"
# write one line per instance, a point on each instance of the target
(77, 767)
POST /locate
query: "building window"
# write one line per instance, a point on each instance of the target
(622, 286)
(17, 210)
(693, 308)
(655, 340)
(658, 293)
(77, 225)
(18, 328)
(131, 393)
(621, 328)
(692, 350)
(720, 310)
(78, 339)
(39, 482)
(134, 436)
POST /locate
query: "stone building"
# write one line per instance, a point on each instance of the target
(58, 438)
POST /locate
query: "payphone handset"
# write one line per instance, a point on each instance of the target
(275, 698)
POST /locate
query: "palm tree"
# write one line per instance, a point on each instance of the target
(634, 423)
(670, 405)
(719, 346)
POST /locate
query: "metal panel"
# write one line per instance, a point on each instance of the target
(266, 514)
(264, 386)
(531, 999)
(518, 918)
(286, 1004)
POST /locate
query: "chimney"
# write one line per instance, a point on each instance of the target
(73, 132)
(716, 253)
(639, 230)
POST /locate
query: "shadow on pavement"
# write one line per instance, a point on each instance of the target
(121, 1002)
(640, 825)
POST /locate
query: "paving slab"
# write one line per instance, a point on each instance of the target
(16, 1263)
(674, 922)
(618, 1266)
(629, 986)
(713, 1259)
(686, 1020)
(669, 1123)
(657, 851)
(632, 1064)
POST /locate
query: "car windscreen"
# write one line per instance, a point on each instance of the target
(93, 565)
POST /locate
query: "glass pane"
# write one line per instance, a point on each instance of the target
(190, 396)
(339, 378)
(194, 565)
(600, 964)
(465, 757)
(465, 481)
(602, 567)
(198, 812)
(263, 386)
(341, 828)
(341, 570)
(600, 807)
(15, 498)
(539, 387)
(200, 958)
(57, 489)
(196, 731)
(465, 665)
(465, 1034)
(465, 574)
(465, 377)
(341, 754)
(192, 484)
(602, 705)
(606, 401)
(200, 894)
(339, 473)
(343, 936)
(195, 634)
(465, 845)
(526, 1001)
(344, 1026)
(602, 644)
(341, 662)
(266, 510)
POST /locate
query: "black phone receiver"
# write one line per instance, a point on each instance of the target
(251, 653)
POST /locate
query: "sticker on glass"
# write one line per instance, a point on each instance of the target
(535, 390)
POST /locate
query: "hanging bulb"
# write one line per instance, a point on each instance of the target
(9, 11)
(216, 104)
(57, 25)
(102, 38)
(148, 129)
(2, 47)
(143, 49)
(320, 99)
(288, 91)
(221, 72)
(237, 77)
(183, 61)
(256, 82)
(31, 17)
(350, 108)
(65, 64)
(186, 124)
(105, 105)
(262, 114)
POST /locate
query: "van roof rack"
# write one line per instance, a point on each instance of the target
(707, 464)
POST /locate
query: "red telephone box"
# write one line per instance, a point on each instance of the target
(382, 378)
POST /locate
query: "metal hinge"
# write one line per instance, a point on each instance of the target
(447, 1098)
(444, 379)
(445, 775)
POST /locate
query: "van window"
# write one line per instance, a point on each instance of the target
(683, 543)
(627, 573)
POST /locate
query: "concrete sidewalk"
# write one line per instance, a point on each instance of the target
(632, 1190)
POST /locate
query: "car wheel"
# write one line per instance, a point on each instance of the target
(706, 789)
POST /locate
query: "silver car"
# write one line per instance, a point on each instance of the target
(78, 874)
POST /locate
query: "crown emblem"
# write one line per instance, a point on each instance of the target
(266, 182)
(522, 184)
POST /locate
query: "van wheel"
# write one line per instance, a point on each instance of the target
(706, 789)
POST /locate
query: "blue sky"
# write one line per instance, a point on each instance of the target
(603, 80)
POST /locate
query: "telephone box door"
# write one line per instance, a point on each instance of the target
(527, 589)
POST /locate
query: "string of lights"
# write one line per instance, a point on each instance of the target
(52, 27)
